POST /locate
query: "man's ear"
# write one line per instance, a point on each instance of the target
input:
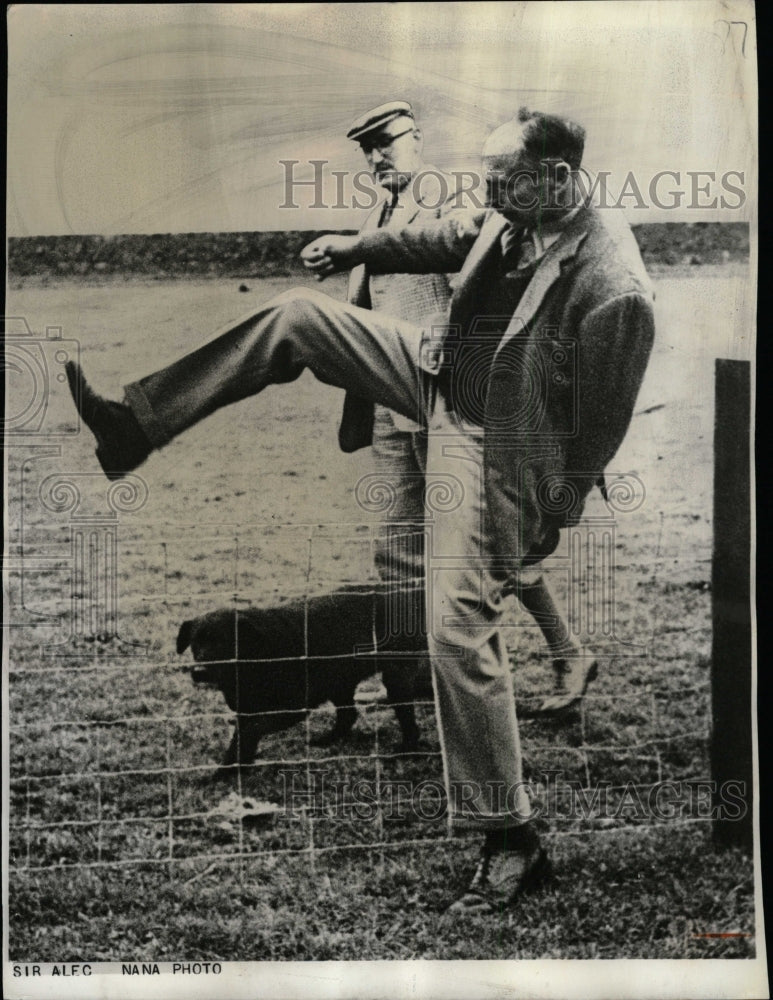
(561, 177)
(184, 636)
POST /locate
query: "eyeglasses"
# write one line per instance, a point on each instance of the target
(382, 145)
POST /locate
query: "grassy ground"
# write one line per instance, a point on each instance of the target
(625, 895)
(255, 505)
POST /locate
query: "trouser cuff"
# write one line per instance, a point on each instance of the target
(135, 398)
(487, 824)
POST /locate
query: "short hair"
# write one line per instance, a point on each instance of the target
(549, 137)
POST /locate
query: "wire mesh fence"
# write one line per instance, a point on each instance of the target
(117, 759)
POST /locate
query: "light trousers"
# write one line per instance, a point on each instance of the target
(400, 461)
(393, 363)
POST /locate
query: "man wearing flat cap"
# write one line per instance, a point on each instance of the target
(526, 394)
(391, 143)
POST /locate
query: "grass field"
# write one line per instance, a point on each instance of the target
(117, 848)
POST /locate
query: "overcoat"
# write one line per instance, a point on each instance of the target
(565, 375)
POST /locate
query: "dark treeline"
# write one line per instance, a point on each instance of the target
(273, 254)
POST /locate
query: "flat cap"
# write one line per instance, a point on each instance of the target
(379, 119)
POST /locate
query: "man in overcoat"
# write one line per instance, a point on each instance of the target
(416, 193)
(527, 392)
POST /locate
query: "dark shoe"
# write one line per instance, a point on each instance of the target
(502, 876)
(121, 443)
(573, 675)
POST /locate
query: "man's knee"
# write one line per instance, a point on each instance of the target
(300, 301)
(302, 315)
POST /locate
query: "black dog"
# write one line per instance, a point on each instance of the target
(320, 650)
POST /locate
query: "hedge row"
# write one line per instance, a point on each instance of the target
(251, 255)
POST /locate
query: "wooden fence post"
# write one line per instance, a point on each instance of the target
(731, 661)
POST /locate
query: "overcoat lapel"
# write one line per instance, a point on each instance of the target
(547, 273)
(357, 291)
(488, 238)
(476, 270)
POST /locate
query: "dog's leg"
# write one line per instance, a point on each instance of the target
(243, 745)
(406, 717)
(346, 716)
(227, 771)
(399, 682)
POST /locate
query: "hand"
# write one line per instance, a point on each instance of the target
(329, 254)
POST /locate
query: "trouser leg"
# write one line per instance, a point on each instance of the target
(399, 455)
(471, 669)
(380, 358)
(400, 458)
(374, 355)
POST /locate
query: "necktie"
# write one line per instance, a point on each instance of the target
(389, 207)
(518, 251)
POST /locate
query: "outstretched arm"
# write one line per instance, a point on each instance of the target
(439, 246)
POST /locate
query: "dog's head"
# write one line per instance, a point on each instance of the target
(216, 640)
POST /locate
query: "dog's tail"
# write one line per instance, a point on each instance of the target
(184, 636)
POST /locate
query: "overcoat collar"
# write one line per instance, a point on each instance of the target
(547, 272)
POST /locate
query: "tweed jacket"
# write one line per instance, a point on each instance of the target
(414, 297)
(566, 373)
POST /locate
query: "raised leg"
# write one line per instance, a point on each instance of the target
(376, 356)
(371, 354)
